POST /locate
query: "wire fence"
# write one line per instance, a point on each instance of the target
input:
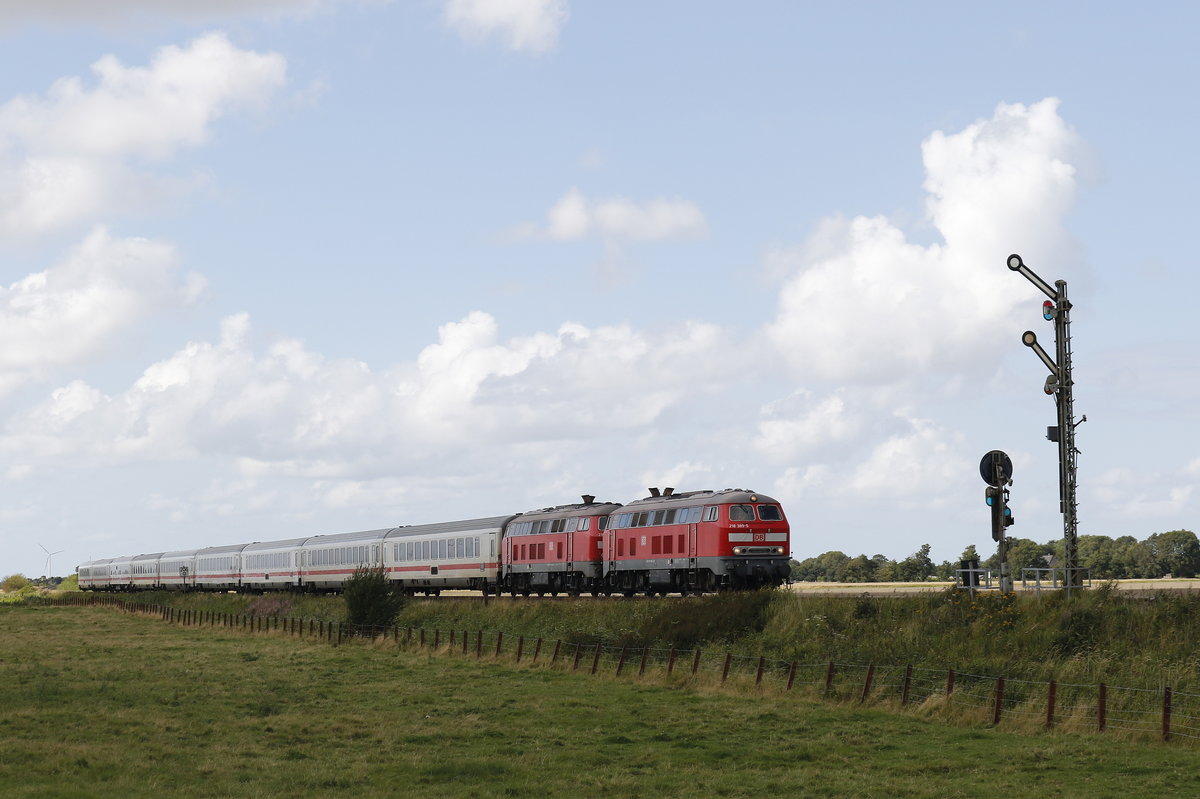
(989, 699)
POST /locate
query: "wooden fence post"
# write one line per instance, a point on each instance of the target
(829, 679)
(621, 662)
(596, 659)
(1166, 714)
(1102, 708)
(1051, 697)
(725, 669)
(762, 661)
(557, 646)
(999, 700)
(671, 662)
(949, 683)
(520, 647)
(867, 683)
(642, 665)
(696, 662)
(499, 642)
(479, 644)
(537, 650)
(907, 684)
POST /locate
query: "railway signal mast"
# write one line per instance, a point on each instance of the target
(1059, 385)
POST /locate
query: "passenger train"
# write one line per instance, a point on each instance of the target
(667, 542)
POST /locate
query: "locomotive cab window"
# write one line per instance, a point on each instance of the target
(769, 513)
(741, 513)
(710, 513)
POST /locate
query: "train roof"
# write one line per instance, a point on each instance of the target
(443, 528)
(578, 509)
(732, 495)
(341, 538)
(258, 546)
(148, 556)
(220, 550)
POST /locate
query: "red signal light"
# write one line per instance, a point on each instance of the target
(1048, 310)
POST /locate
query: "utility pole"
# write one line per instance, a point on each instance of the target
(1059, 385)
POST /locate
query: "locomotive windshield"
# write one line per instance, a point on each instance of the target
(769, 513)
(741, 513)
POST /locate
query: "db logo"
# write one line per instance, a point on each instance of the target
(760, 536)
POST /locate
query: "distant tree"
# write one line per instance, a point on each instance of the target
(371, 598)
(69, 583)
(1176, 553)
(14, 582)
(857, 570)
(970, 553)
(823, 568)
(916, 566)
(885, 569)
(1026, 554)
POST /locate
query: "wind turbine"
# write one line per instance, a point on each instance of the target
(50, 557)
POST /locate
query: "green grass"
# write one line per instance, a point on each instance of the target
(97, 703)
(1100, 636)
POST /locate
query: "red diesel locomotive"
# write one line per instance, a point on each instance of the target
(668, 542)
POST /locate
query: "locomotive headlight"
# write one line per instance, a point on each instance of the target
(778, 550)
(739, 550)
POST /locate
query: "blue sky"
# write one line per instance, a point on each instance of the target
(275, 267)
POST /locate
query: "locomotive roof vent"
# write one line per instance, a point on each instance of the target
(588, 499)
(654, 492)
(668, 491)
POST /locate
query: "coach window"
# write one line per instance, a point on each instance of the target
(442, 549)
(424, 550)
(710, 513)
(584, 523)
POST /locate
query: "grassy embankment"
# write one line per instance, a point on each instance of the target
(216, 712)
(1099, 636)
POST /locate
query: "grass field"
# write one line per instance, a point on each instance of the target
(97, 703)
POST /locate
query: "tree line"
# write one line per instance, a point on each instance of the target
(1175, 553)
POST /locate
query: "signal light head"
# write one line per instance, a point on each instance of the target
(1048, 310)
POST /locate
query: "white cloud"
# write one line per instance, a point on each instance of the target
(865, 305)
(523, 25)
(74, 11)
(290, 411)
(920, 466)
(1141, 493)
(73, 311)
(802, 423)
(69, 156)
(574, 216)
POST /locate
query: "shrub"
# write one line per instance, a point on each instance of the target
(371, 598)
(13, 583)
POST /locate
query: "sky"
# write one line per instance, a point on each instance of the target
(271, 268)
